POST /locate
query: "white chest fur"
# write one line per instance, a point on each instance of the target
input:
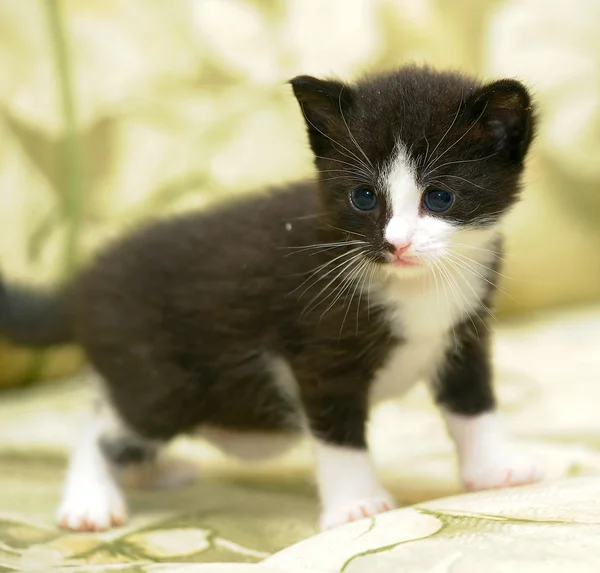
(423, 311)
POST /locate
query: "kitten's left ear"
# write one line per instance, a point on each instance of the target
(325, 105)
(504, 108)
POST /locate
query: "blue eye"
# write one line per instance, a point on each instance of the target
(363, 199)
(438, 201)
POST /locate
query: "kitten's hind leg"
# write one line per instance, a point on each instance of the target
(463, 389)
(92, 498)
(165, 471)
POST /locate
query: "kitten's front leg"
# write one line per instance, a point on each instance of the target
(463, 389)
(348, 485)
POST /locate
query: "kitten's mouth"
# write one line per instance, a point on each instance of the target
(404, 261)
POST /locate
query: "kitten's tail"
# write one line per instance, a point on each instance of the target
(34, 317)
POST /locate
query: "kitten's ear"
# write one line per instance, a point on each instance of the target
(325, 105)
(504, 108)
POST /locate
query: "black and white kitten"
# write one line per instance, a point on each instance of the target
(295, 311)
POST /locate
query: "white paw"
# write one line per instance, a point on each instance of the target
(93, 507)
(355, 510)
(501, 470)
(167, 472)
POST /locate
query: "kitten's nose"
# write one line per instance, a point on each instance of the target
(400, 249)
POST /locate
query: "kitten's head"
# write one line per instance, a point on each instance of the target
(417, 163)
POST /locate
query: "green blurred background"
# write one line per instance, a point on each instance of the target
(115, 110)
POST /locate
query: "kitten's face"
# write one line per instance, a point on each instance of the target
(419, 165)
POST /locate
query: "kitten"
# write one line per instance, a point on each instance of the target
(295, 311)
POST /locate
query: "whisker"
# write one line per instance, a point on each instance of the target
(353, 165)
(345, 230)
(464, 264)
(344, 266)
(467, 181)
(495, 254)
(441, 184)
(315, 251)
(461, 161)
(461, 296)
(343, 287)
(437, 291)
(460, 138)
(355, 278)
(323, 267)
(327, 263)
(350, 133)
(480, 301)
(316, 245)
(430, 164)
(438, 267)
(322, 251)
(491, 270)
(427, 150)
(477, 248)
(490, 218)
(352, 155)
(482, 222)
(472, 224)
(336, 291)
(344, 170)
(371, 277)
(353, 179)
(362, 288)
(302, 217)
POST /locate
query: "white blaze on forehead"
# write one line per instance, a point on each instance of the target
(404, 197)
(408, 224)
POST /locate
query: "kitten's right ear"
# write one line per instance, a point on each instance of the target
(325, 105)
(504, 109)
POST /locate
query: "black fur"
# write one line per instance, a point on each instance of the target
(34, 317)
(125, 450)
(464, 382)
(183, 317)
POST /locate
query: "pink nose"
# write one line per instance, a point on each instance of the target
(401, 249)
